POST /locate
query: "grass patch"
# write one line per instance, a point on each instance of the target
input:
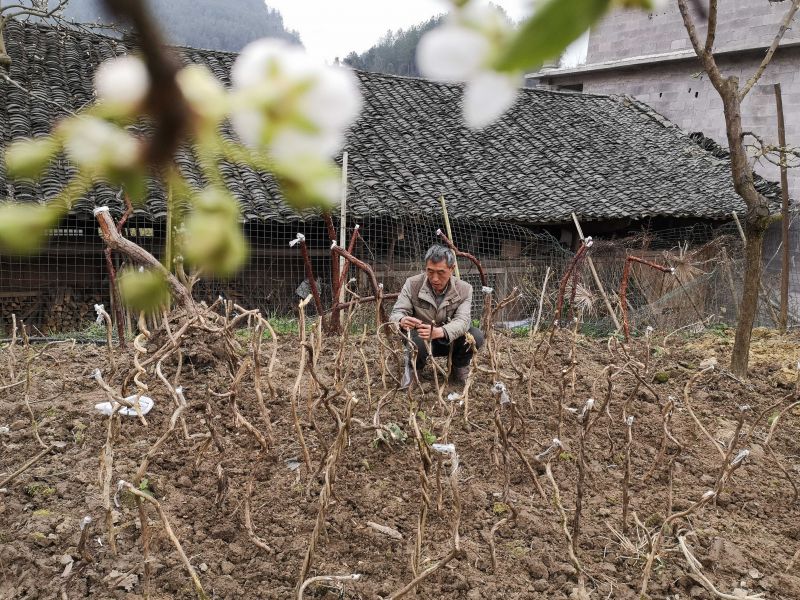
(41, 490)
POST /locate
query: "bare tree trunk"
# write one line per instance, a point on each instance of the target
(756, 223)
(749, 304)
(757, 219)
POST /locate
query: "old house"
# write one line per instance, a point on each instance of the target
(648, 56)
(511, 188)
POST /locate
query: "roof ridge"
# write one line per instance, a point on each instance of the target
(522, 88)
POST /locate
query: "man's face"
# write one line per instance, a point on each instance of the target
(438, 274)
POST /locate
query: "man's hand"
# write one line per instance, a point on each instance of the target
(410, 322)
(426, 332)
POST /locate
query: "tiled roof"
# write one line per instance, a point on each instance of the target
(553, 153)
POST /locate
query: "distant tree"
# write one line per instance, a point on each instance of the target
(213, 25)
(395, 52)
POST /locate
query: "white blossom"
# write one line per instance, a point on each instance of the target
(95, 144)
(463, 48)
(122, 82)
(204, 92)
(452, 53)
(487, 96)
(290, 105)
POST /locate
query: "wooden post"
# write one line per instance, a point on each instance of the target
(596, 277)
(739, 227)
(726, 263)
(447, 227)
(784, 312)
(343, 221)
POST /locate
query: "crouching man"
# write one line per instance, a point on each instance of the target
(436, 306)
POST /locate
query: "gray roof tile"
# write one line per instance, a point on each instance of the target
(553, 153)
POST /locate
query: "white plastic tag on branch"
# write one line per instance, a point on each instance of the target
(300, 238)
(145, 405)
(588, 242)
(120, 485)
(99, 210)
(333, 244)
(439, 232)
(648, 331)
(85, 521)
(487, 290)
(743, 454)
(556, 443)
(444, 448)
(587, 408)
(99, 308)
(629, 421)
(499, 389)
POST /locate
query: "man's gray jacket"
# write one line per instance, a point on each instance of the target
(418, 300)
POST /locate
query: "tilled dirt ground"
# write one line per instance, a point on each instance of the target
(745, 540)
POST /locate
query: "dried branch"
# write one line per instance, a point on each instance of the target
(694, 566)
(706, 58)
(170, 534)
(784, 27)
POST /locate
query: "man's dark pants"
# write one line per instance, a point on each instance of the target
(462, 353)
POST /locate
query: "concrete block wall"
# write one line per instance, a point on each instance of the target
(630, 33)
(681, 92)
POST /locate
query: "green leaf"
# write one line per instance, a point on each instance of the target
(29, 158)
(215, 244)
(134, 184)
(146, 290)
(217, 202)
(309, 183)
(429, 437)
(23, 227)
(553, 27)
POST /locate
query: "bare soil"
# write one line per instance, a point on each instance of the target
(744, 540)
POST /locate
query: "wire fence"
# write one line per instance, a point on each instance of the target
(54, 291)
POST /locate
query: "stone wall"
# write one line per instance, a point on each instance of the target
(682, 92)
(633, 33)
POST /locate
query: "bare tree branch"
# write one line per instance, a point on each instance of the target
(31, 10)
(711, 34)
(787, 19)
(706, 57)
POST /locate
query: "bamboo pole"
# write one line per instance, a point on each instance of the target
(784, 311)
(447, 227)
(596, 277)
(343, 221)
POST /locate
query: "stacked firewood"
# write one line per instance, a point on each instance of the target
(69, 311)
